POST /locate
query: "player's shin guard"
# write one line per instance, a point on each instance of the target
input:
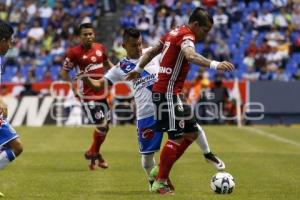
(148, 162)
(168, 156)
(98, 139)
(6, 156)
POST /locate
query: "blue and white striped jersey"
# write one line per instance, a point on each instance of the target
(142, 86)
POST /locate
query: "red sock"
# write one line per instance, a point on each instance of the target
(168, 156)
(98, 139)
(183, 146)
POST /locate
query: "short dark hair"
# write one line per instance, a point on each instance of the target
(85, 25)
(131, 32)
(6, 30)
(201, 16)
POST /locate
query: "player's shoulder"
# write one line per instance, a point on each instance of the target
(181, 32)
(98, 45)
(74, 49)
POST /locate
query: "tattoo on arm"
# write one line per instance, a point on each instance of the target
(193, 57)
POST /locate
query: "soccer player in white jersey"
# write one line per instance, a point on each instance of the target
(10, 144)
(149, 139)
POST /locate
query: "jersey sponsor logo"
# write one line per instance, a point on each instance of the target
(84, 57)
(165, 70)
(91, 67)
(98, 53)
(144, 81)
(147, 133)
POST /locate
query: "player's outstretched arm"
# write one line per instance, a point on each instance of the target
(96, 85)
(193, 57)
(149, 55)
(108, 64)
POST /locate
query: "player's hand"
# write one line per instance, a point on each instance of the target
(225, 66)
(132, 75)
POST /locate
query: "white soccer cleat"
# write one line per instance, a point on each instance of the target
(215, 161)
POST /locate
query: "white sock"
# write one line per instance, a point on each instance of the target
(148, 162)
(202, 141)
(3, 159)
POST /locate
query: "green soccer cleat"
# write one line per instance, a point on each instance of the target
(1, 194)
(154, 173)
(161, 188)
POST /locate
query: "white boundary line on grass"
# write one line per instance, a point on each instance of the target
(271, 136)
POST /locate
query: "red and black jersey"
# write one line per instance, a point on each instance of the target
(173, 65)
(88, 60)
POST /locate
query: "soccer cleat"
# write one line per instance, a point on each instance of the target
(161, 188)
(150, 184)
(154, 173)
(1, 194)
(101, 162)
(92, 157)
(215, 161)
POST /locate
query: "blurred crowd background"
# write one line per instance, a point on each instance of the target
(261, 38)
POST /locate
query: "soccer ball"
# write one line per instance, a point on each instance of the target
(222, 183)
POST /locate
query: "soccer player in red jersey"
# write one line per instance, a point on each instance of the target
(91, 58)
(173, 115)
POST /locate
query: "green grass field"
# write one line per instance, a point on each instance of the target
(263, 160)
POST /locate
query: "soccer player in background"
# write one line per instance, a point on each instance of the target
(149, 140)
(90, 57)
(173, 115)
(10, 144)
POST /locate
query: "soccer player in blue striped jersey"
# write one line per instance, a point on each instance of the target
(149, 139)
(10, 144)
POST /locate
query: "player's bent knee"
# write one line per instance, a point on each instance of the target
(103, 129)
(17, 147)
(191, 136)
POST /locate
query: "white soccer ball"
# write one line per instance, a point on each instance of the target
(222, 183)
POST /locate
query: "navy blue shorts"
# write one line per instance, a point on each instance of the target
(149, 139)
(96, 111)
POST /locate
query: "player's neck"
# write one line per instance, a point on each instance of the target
(86, 46)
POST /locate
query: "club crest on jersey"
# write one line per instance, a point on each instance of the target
(84, 57)
(93, 59)
(126, 66)
(147, 133)
(98, 53)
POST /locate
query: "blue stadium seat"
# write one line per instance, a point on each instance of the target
(267, 5)
(254, 5)
(296, 57)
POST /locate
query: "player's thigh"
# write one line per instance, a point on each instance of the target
(97, 112)
(148, 138)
